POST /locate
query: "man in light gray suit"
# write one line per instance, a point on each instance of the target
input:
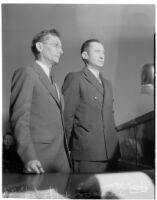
(36, 108)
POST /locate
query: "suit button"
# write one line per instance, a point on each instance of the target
(95, 98)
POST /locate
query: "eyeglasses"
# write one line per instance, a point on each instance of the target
(56, 45)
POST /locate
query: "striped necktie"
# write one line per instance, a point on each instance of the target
(55, 87)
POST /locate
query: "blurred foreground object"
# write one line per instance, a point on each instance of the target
(35, 194)
(130, 185)
(147, 79)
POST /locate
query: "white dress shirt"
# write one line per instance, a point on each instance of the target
(47, 72)
(95, 72)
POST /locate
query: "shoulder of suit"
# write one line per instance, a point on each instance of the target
(106, 80)
(25, 69)
(71, 81)
(23, 72)
(74, 76)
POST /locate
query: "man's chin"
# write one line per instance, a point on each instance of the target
(56, 62)
(100, 66)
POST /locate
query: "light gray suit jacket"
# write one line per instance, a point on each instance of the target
(36, 119)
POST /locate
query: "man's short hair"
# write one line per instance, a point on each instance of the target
(41, 36)
(86, 44)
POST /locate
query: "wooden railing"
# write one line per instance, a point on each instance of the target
(137, 141)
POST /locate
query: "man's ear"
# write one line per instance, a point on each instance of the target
(85, 55)
(39, 46)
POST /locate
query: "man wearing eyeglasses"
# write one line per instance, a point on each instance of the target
(36, 108)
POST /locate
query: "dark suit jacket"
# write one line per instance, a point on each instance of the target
(36, 119)
(89, 120)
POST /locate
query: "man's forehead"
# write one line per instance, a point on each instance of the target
(52, 38)
(96, 45)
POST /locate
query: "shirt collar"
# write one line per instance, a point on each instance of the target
(94, 71)
(44, 67)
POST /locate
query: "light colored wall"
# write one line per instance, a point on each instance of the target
(126, 31)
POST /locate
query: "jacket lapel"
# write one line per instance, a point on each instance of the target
(108, 97)
(62, 102)
(92, 79)
(46, 82)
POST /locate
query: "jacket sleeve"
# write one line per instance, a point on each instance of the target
(70, 90)
(20, 110)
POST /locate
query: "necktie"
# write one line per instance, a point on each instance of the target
(99, 79)
(52, 77)
(54, 85)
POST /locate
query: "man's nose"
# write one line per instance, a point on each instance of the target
(102, 56)
(61, 51)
